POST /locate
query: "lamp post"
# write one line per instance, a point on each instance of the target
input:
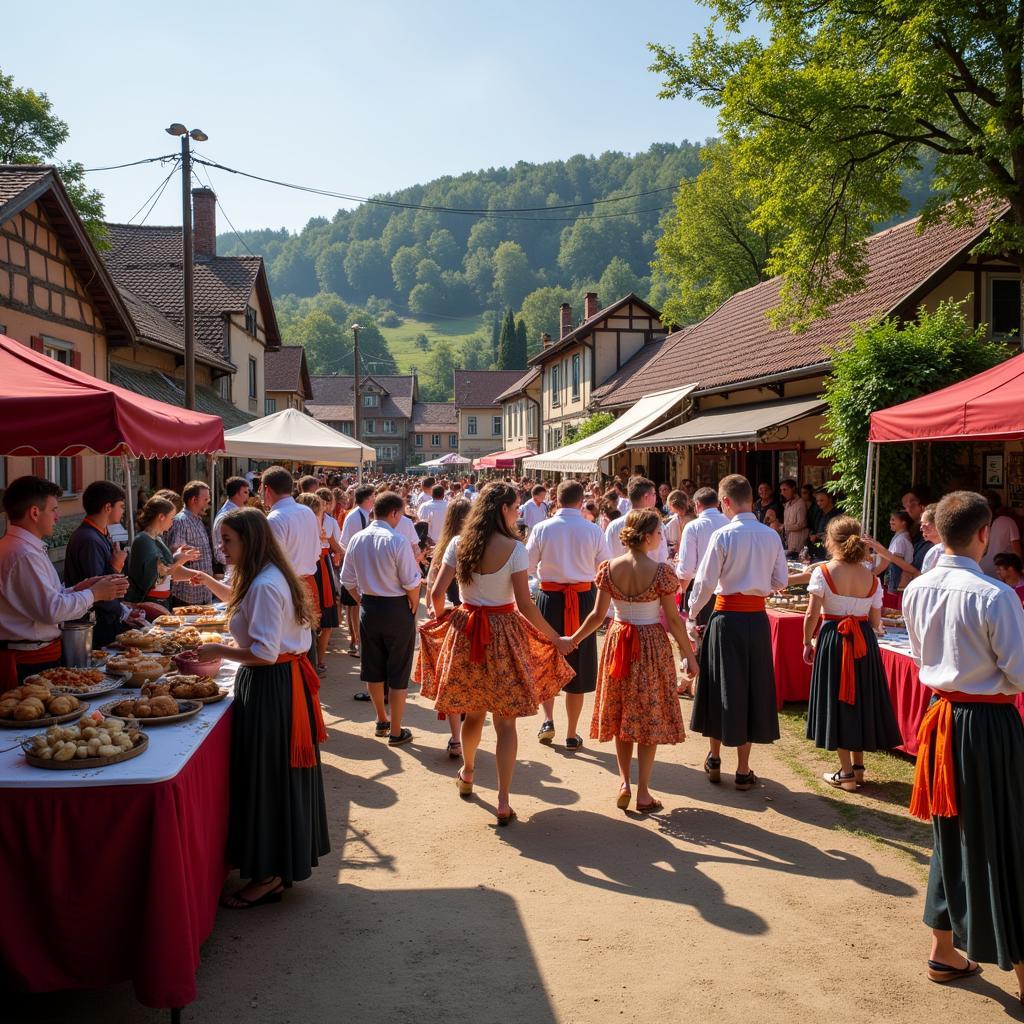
(186, 255)
(355, 393)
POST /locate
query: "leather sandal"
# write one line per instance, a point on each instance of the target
(651, 808)
(747, 781)
(505, 819)
(858, 773)
(840, 781)
(625, 795)
(713, 766)
(942, 974)
(465, 788)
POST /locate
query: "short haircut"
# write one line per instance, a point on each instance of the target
(736, 488)
(437, 492)
(27, 491)
(639, 488)
(825, 491)
(706, 497)
(538, 489)
(100, 493)
(922, 492)
(570, 492)
(677, 499)
(172, 496)
(310, 500)
(929, 511)
(278, 480)
(193, 489)
(428, 481)
(234, 484)
(1009, 560)
(308, 484)
(362, 493)
(386, 504)
(788, 482)
(959, 516)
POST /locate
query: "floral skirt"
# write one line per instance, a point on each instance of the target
(520, 668)
(643, 708)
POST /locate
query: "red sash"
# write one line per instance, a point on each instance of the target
(10, 660)
(478, 627)
(739, 603)
(304, 677)
(855, 647)
(934, 795)
(326, 590)
(572, 601)
(627, 650)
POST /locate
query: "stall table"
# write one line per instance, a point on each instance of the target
(792, 674)
(113, 874)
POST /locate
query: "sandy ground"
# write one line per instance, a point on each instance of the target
(727, 906)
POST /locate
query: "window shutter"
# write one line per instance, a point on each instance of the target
(76, 360)
(39, 467)
(36, 343)
(76, 474)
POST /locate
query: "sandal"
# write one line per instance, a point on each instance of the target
(361, 695)
(452, 752)
(465, 788)
(574, 743)
(405, 736)
(624, 797)
(858, 773)
(713, 766)
(840, 781)
(654, 805)
(941, 974)
(382, 729)
(747, 781)
(546, 733)
(504, 819)
(243, 903)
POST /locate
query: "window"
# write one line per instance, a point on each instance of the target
(224, 386)
(59, 471)
(59, 350)
(576, 376)
(389, 426)
(251, 321)
(508, 419)
(271, 406)
(1004, 295)
(453, 440)
(419, 440)
(370, 401)
(556, 437)
(496, 426)
(435, 440)
(470, 424)
(385, 452)
(369, 427)
(556, 398)
(347, 427)
(547, 439)
(531, 419)
(253, 370)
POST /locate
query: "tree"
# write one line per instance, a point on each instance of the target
(889, 363)
(442, 247)
(426, 299)
(476, 353)
(438, 381)
(519, 362)
(540, 309)
(513, 278)
(403, 267)
(368, 269)
(330, 269)
(833, 102)
(422, 342)
(591, 425)
(507, 343)
(323, 340)
(618, 280)
(30, 133)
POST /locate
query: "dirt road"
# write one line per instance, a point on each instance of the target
(726, 907)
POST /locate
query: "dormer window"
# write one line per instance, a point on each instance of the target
(371, 401)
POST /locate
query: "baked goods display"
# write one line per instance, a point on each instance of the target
(211, 619)
(90, 743)
(70, 678)
(185, 639)
(137, 638)
(194, 609)
(138, 669)
(36, 703)
(152, 710)
(192, 687)
(167, 620)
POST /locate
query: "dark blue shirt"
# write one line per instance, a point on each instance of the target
(88, 554)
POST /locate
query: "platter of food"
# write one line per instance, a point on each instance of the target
(152, 710)
(168, 621)
(81, 682)
(195, 609)
(186, 638)
(135, 668)
(213, 619)
(91, 743)
(186, 687)
(35, 704)
(138, 638)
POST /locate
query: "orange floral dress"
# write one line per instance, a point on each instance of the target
(642, 706)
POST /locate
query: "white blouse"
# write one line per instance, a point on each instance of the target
(492, 588)
(265, 622)
(840, 604)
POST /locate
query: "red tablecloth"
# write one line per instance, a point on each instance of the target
(105, 884)
(792, 675)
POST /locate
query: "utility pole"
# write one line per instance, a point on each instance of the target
(355, 393)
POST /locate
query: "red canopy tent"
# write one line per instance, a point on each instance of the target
(52, 409)
(502, 460)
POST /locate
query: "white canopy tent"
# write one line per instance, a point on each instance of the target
(451, 459)
(297, 437)
(586, 455)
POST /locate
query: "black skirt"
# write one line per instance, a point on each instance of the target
(583, 660)
(735, 701)
(328, 616)
(867, 724)
(976, 882)
(277, 823)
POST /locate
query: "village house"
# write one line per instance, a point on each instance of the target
(386, 412)
(520, 406)
(481, 423)
(286, 379)
(435, 431)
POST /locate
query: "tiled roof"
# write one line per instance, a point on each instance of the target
(475, 389)
(332, 397)
(285, 370)
(591, 322)
(428, 415)
(520, 385)
(737, 343)
(15, 179)
(618, 389)
(157, 385)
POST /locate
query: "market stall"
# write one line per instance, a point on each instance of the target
(451, 459)
(290, 435)
(504, 459)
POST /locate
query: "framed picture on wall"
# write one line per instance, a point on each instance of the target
(1015, 479)
(992, 469)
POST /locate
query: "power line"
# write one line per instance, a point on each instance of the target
(222, 210)
(154, 197)
(134, 163)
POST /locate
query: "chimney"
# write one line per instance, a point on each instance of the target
(545, 341)
(566, 320)
(590, 306)
(204, 223)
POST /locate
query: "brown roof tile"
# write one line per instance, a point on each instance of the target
(432, 415)
(285, 370)
(475, 389)
(332, 397)
(617, 389)
(520, 385)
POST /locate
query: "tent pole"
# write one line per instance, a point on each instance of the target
(913, 463)
(865, 519)
(874, 479)
(212, 465)
(130, 492)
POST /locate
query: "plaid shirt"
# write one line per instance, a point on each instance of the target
(189, 529)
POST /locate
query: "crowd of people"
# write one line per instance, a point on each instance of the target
(518, 581)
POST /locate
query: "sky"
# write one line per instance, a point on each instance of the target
(357, 98)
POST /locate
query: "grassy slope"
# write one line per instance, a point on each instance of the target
(401, 340)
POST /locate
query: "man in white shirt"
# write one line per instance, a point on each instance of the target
(381, 574)
(794, 516)
(565, 552)
(426, 490)
(535, 510)
(736, 702)
(965, 633)
(623, 498)
(642, 494)
(695, 541)
(433, 512)
(33, 601)
(237, 490)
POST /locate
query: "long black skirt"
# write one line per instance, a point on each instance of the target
(277, 823)
(583, 660)
(735, 701)
(867, 724)
(328, 616)
(976, 881)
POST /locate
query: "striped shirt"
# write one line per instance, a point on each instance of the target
(188, 529)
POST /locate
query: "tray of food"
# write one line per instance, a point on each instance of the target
(186, 687)
(152, 710)
(195, 609)
(185, 639)
(82, 682)
(168, 621)
(143, 638)
(212, 619)
(91, 743)
(35, 704)
(135, 668)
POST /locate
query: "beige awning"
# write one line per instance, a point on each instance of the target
(290, 434)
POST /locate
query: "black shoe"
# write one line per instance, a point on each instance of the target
(361, 695)
(405, 736)
(574, 743)
(382, 729)
(747, 781)
(546, 733)
(713, 766)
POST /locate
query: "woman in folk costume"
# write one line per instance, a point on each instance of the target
(277, 825)
(325, 577)
(494, 653)
(849, 709)
(636, 700)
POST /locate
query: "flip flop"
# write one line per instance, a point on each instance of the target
(625, 796)
(505, 819)
(654, 805)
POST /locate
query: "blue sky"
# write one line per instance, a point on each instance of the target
(358, 98)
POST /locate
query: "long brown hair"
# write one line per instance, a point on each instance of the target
(454, 520)
(152, 510)
(259, 549)
(484, 521)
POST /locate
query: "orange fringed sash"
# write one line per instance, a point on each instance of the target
(855, 647)
(478, 627)
(326, 594)
(10, 660)
(572, 601)
(627, 650)
(739, 603)
(934, 794)
(304, 677)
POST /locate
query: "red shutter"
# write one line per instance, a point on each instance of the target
(36, 342)
(77, 468)
(39, 467)
(76, 360)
